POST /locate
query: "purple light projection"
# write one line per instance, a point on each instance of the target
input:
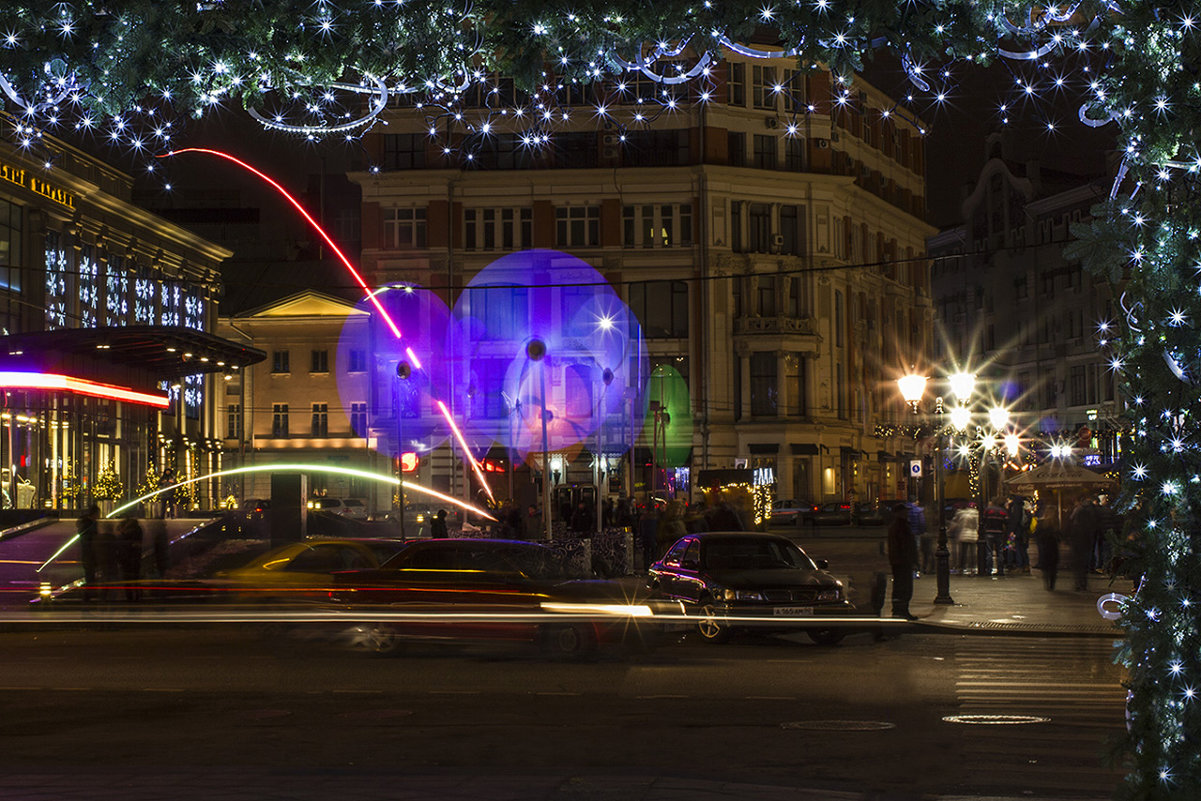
(391, 386)
(541, 336)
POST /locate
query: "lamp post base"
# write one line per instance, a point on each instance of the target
(942, 573)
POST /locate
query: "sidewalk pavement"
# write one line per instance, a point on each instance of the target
(1017, 604)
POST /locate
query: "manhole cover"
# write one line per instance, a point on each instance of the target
(838, 725)
(995, 720)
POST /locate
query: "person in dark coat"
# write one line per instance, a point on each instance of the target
(1082, 532)
(902, 551)
(129, 556)
(86, 527)
(1046, 534)
(438, 525)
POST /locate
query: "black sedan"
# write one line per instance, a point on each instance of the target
(761, 578)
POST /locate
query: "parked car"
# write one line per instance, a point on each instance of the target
(354, 508)
(835, 513)
(301, 570)
(869, 514)
(724, 576)
(791, 513)
(485, 576)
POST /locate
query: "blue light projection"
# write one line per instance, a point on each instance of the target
(539, 335)
(402, 413)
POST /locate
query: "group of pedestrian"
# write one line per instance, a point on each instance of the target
(111, 562)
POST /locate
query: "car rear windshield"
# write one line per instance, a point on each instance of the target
(755, 554)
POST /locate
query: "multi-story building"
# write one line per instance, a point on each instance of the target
(299, 406)
(771, 243)
(106, 317)
(1013, 308)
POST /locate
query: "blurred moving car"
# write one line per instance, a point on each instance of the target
(481, 577)
(791, 512)
(347, 507)
(869, 514)
(835, 513)
(301, 570)
(724, 576)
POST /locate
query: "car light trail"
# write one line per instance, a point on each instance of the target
(372, 295)
(285, 468)
(315, 468)
(466, 451)
(308, 218)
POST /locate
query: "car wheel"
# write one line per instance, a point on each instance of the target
(574, 639)
(375, 639)
(826, 636)
(708, 627)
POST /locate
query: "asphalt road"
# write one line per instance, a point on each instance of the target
(778, 711)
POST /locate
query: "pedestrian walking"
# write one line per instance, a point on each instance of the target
(671, 526)
(129, 556)
(1046, 534)
(902, 551)
(922, 541)
(1082, 533)
(438, 526)
(532, 523)
(996, 521)
(86, 528)
(966, 524)
(648, 536)
(1016, 534)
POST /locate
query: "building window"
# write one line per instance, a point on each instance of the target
(1049, 285)
(404, 228)
(280, 362)
(767, 297)
(735, 83)
(841, 391)
(838, 318)
(764, 392)
(792, 232)
(233, 421)
(764, 87)
(320, 426)
(320, 362)
(794, 297)
(492, 229)
(358, 361)
(759, 221)
(279, 419)
(358, 419)
(1076, 386)
(657, 226)
(662, 306)
(794, 365)
(736, 146)
(669, 148)
(577, 226)
(10, 246)
(1019, 288)
(404, 151)
(795, 156)
(765, 152)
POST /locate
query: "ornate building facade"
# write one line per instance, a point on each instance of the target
(778, 269)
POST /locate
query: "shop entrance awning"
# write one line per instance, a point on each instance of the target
(160, 353)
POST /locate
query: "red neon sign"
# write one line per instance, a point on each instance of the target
(13, 379)
(409, 462)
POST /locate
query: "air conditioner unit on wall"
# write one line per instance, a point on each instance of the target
(771, 122)
(609, 140)
(822, 144)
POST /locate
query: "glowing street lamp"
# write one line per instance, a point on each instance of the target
(912, 388)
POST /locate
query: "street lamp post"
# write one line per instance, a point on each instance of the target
(913, 387)
(403, 371)
(536, 351)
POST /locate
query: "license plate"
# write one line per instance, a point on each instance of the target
(795, 611)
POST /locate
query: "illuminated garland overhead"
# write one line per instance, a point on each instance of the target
(316, 67)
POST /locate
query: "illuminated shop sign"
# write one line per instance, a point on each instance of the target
(22, 178)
